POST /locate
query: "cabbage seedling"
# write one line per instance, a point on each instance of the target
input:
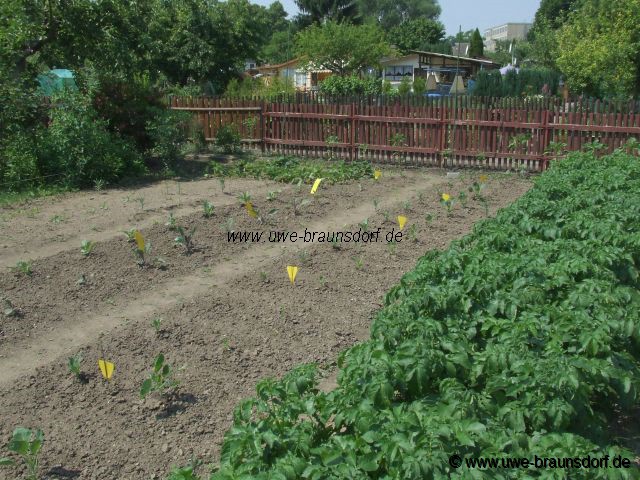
(160, 379)
(244, 197)
(171, 223)
(156, 323)
(299, 204)
(74, 365)
(207, 209)
(23, 266)
(185, 239)
(86, 247)
(26, 443)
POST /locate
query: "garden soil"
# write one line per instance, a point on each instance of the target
(229, 316)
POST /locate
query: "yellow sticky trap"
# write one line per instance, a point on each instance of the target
(316, 184)
(377, 174)
(106, 368)
(401, 221)
(292, 271)
(250, 210)
(139, 240)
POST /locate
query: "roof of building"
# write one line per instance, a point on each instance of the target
(278, 65)
(481, 61)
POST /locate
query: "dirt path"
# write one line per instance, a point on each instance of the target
(229, 318)
(22, 358)
(46, 226)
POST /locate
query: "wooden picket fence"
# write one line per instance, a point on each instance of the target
(441, 132)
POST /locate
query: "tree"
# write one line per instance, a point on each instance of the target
(321, 11)
(551, 13)
(476, 45)
(342, 48)
(392, 13)
(598, 48)
(416, 34)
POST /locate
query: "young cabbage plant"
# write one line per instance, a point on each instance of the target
(86, 247)
(27, 444)
(207, 209)
(171, 223)
(74, 365)
(185, 238)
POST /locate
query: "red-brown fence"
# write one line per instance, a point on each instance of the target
(438, 133)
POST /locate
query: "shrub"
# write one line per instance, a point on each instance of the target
(228, 139)
(352, 85)
(79, 148)
(404, 88)
(19, 162)
(169, 131)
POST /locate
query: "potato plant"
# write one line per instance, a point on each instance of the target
(521, 338)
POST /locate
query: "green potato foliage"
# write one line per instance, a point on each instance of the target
(519, 339)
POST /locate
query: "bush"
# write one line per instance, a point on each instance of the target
(352, 85)
(79, 149)
(419, 86)
(228, 139)
(515, 84)
(19, 167)
(169, 131)
(404, 88)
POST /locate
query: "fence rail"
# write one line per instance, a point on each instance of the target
(437, 133)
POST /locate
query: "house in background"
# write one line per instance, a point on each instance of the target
(507, 31)
(440, 67)
(295, 70)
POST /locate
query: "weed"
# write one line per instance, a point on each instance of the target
(413, 232)
(428, 218)
(140, 200)
(23, 266)
(303, 255)
(376, 203)
(225, 344)
(56, 219)
(171, 223)
(73, 364)
(82, 280)
(364, 225)
(160, 380)
(406, 206)
(323, 282)
(271, 196)
(359, 262)
(207, 209)
(98, 185)
(335, 243)
(263, 277)
(387, 216)
(86, 247)
(185, 239)
(26, 443)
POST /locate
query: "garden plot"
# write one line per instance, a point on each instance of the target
(224, 315)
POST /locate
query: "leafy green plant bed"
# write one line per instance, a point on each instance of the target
(291, 169)
(521, 339)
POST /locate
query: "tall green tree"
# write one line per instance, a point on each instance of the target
(321, 11)
(341, 47)
(476, 45)
(391, 13)
(552, 13)
(416, 34)
(599, 48)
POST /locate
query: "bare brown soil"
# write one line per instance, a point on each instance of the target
(229, 315)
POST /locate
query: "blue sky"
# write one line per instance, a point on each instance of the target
(468, 13)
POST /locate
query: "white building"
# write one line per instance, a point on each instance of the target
(507, 31)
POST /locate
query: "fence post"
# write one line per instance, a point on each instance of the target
(352, 140)
(545, 138)
(262, 126)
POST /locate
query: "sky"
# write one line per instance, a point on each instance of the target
(470, 14)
